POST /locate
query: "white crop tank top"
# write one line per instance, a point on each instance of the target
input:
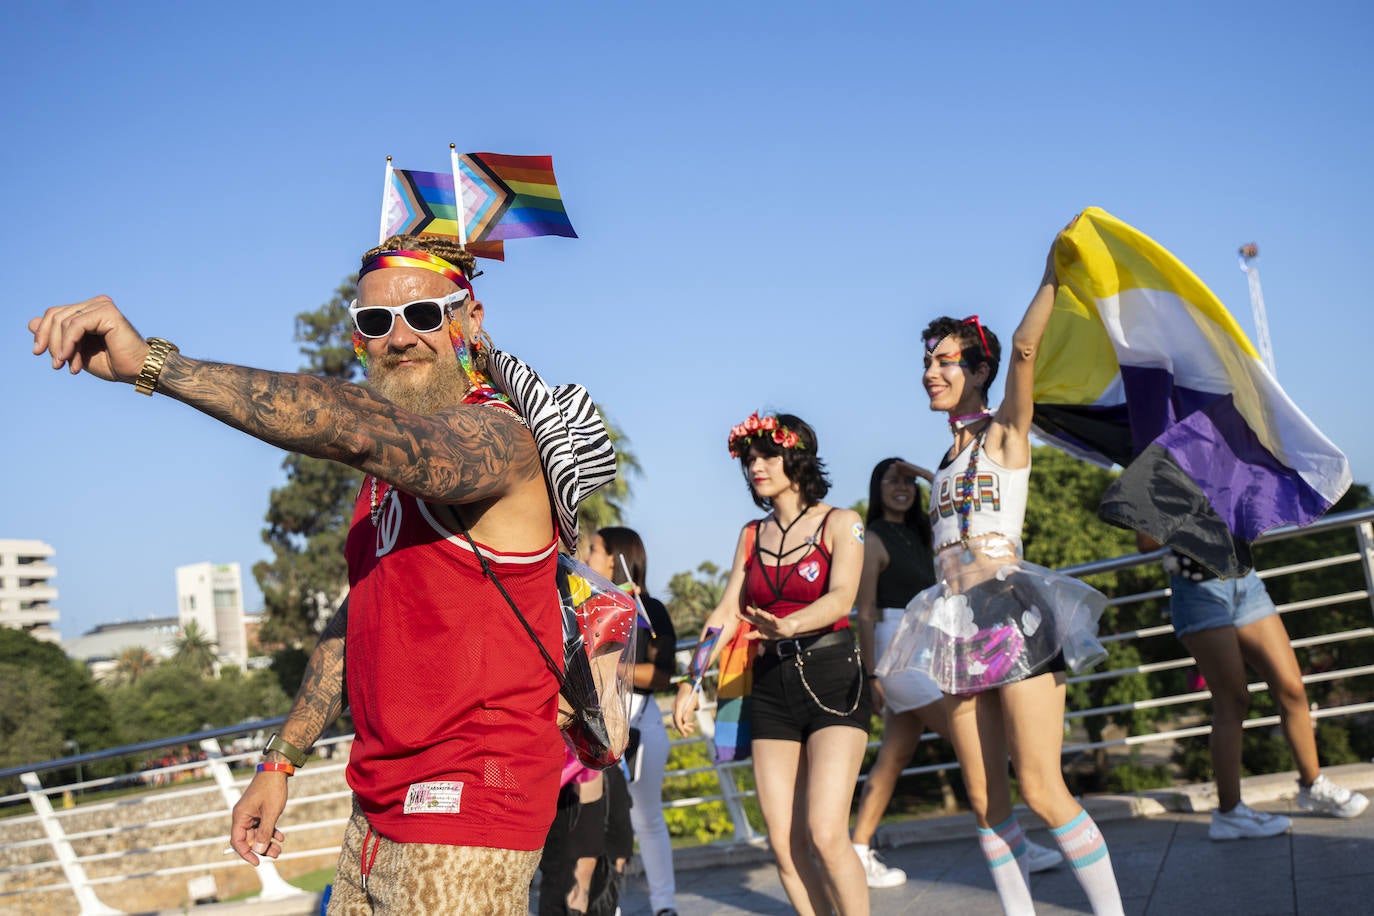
(999, 499)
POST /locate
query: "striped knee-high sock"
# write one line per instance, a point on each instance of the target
(1083, 845)
(1004, 848)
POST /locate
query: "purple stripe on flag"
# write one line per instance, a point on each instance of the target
(1155, 402)
(1246, 485)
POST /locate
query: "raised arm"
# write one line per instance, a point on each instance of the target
(319, 702)
(1009, 438)
(470, 453)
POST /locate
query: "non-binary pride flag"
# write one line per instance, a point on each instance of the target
(1142, 366)
(504, 197)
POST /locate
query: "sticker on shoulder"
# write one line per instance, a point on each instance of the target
(858, 532)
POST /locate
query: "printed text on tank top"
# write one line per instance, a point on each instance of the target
(778, 581)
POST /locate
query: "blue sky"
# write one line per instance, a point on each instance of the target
(772, 199)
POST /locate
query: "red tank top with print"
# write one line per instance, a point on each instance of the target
(454, 706)
(786, 589)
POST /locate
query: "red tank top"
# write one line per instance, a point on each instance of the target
(454, 705)
(786, 589)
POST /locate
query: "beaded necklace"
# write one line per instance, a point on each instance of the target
(965, 495)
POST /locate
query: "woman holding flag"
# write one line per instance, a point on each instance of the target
(995, 632)
(792, 583)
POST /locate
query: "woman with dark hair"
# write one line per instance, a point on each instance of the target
(619, 555)
(899, 564)
(996, 632)
(792, 584)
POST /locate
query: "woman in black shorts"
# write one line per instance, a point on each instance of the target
(794, 579)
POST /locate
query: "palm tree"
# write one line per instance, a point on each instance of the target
(131, 664)
(607, 505)
(195, 649)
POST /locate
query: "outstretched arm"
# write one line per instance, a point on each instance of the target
(253, 823)
(469, 453)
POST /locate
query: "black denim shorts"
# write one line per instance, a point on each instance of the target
(782, 705)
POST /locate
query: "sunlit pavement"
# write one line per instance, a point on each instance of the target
(1164, 862)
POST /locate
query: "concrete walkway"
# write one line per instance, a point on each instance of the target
(1164, 862)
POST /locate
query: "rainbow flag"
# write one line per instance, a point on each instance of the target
(504, 197)
(423, 203)
(1142, 366)
(512, 197)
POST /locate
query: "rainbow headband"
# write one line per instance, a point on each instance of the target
(421, 259)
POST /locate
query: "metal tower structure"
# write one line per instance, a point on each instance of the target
(1249, 253)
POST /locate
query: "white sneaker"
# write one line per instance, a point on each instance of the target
(878, 874)
(1325, 797)
(1042, 858)
(1243, 822)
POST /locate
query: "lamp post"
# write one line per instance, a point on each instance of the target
(72, 745)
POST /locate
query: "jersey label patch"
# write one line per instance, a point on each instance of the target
(434, 798)
(810, 570)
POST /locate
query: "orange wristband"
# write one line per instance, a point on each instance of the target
(286, 768)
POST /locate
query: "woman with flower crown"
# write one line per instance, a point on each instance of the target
(791, 586)
(996, 632)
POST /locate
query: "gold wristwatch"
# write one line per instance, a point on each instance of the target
(146, 383)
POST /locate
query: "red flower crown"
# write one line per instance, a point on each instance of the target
(760, 427)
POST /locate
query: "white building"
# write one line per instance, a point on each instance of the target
(26, 589)
(211, 594)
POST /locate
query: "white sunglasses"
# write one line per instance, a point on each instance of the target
(422, 316)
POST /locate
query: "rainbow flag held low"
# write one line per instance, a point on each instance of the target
(504, 197)
(1142, 366)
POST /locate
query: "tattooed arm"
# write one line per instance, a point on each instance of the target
(463, 455)
(253, 823)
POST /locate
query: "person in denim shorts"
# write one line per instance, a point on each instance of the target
(1227, 624)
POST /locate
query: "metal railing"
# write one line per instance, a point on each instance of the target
(17, 880)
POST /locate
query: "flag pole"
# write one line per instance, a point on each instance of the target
(462, 217)
(386, 184)
(630, 584)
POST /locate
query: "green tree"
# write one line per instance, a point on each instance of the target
(82, 713)
(30, 721)
(195, 649)
(176, 700)
(694, 595)
(309, 515)
(607, 505)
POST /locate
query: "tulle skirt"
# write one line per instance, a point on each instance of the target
(995, 619)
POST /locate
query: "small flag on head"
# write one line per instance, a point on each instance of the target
(503, 197)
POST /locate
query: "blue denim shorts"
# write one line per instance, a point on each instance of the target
(1218, 603)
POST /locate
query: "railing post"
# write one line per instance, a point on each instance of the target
(66, 856)
(1364, 535)
(726, 777)
(274, 886)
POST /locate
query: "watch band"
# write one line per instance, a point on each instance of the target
(294, 755)
(158, 349)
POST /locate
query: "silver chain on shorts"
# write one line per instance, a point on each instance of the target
(858, 694)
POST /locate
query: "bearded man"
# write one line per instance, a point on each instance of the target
(456, 761)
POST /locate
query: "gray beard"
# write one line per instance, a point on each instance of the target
(445, 388)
